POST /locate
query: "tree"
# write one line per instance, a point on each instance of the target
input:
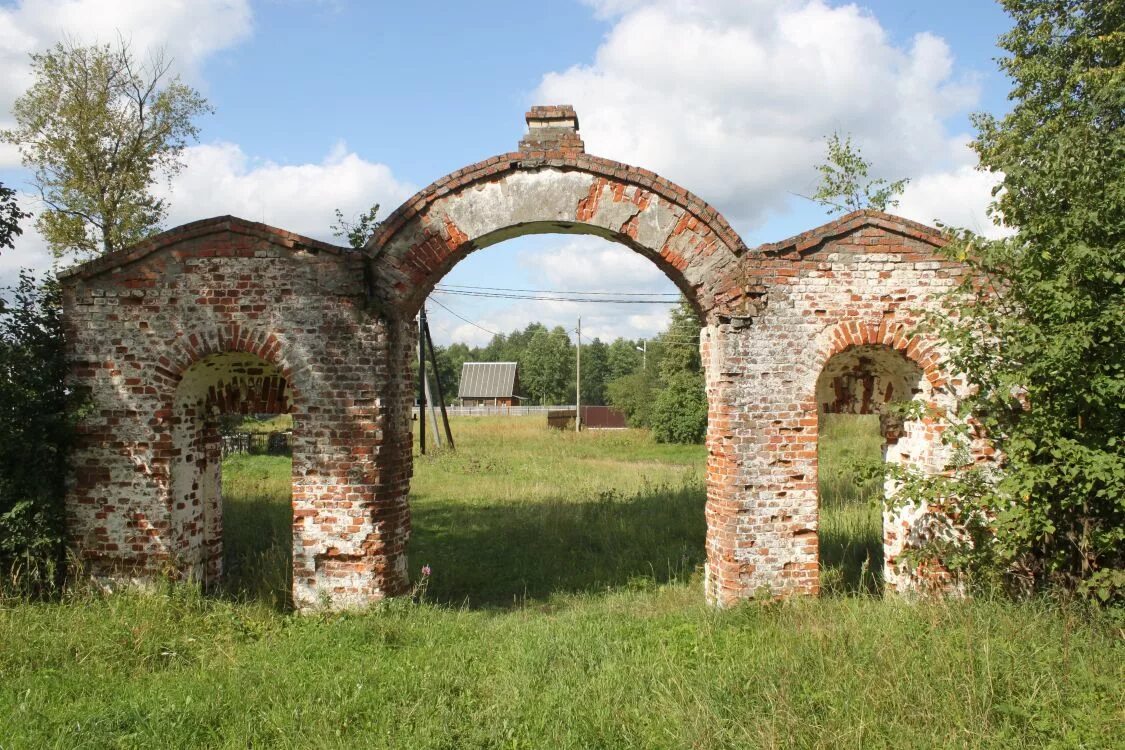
(679, 344)
(595, 371)
(10, 217)
(37, 415)
(843, 180)
(633, 394)
(356, 231)
(99, 130)
(623, 358)
(547, 369)
(1037, 325)
(679, 413)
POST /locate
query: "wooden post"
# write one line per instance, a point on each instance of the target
(437, 382)
(578, 376)
(421, 382)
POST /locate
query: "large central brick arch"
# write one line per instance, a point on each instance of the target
(226, 315)
(552, 185)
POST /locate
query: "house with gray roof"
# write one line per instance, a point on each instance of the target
(489, 384)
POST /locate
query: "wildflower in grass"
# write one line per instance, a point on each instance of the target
(426, 571)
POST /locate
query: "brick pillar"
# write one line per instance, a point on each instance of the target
(552, 129)
(761, 472)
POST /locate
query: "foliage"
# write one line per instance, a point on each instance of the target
(99, 130)
(547, 371)
(843, 180)
(356, 231)
(679, 410)
(36, 427)
(679, 414)
(10, 217)
(633, 394)
(595, 368)
(1037, 325)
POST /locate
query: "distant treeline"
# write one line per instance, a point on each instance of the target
(658, 383)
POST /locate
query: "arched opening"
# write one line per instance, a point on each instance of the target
(233, 530)
(552, 185)
(523, 512)
(863, 395)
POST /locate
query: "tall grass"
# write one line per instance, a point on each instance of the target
(564, 610)
(851, 499)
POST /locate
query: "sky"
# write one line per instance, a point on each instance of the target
(325, 104)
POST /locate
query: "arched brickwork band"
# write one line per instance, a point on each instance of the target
(552, 185)
(228, 315)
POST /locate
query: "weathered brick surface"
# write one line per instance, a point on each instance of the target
(226, 315)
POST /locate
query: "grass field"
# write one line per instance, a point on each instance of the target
(564, 610)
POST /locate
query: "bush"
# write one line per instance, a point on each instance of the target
(36, 429)
(679, 413)
(1037, 325)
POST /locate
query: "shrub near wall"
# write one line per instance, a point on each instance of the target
(35, 435)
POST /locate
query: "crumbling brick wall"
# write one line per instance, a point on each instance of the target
(225, 315)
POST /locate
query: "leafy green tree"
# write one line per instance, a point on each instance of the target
(633, 394)
(679, 413)
(1038, 325)
(453, 358)
(99, 130)
(547, 369)
(595, 369)
(10, 217)
(679, 345)
(357, 231)
(623, 358)
(843, 180)
(36, 430)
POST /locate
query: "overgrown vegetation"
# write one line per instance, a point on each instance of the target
(1042, 346)
(37, 415)
(563, 609)
(844, 185)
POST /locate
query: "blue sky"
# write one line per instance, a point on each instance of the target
(345, 103)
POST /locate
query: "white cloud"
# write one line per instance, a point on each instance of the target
(572, 264)
(188, 31)
(733, 98)
(221, 179)
(586, 264)
(958, 196)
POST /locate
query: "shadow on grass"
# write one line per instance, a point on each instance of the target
(501, 556)
(258, 551)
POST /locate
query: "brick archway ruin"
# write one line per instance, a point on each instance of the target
(230, 312)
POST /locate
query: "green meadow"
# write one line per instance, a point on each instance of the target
(564, 609)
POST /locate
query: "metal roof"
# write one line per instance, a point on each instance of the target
(487, 380)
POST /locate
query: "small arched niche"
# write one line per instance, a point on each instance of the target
(219, 385)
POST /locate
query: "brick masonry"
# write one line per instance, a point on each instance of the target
(225, 315)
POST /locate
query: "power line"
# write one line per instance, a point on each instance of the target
(478, 325)
(558, 291)
(545, 298)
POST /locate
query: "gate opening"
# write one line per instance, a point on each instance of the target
(522, 511)
(863, 394)
(232, 477)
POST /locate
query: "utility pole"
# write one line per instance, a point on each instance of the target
(578, 377)
(643, 348)
(422, 380)
(430, 401)
(437, 382)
